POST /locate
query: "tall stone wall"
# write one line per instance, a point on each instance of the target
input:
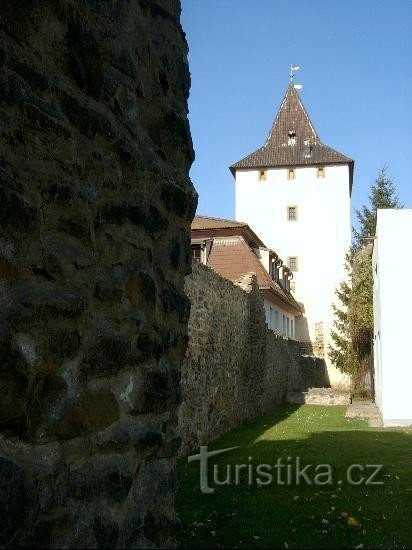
(235, 368)
(95, 209)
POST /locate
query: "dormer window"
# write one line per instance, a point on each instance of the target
(320, 172)
(291, 138)
(197, 252)
(307, 148)
(200, 250)
(291, 173)
(262, 175)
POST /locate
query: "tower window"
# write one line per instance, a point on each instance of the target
(321, 172)
(291, 137)
(307, 148)
(293, 263)
(291, 174)
(262, 175)
(292, 213)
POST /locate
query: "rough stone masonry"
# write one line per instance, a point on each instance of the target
(95, 207)
(235, 368)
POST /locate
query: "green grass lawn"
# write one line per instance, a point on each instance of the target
(336, 515)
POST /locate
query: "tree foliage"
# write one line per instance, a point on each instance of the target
(382, 195)
(353, 324)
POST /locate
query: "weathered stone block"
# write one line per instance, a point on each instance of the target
(95, 209)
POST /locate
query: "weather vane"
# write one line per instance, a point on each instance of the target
(293, 69)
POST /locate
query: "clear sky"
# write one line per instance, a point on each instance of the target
(356, 59)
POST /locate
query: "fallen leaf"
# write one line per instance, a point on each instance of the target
(352, 522)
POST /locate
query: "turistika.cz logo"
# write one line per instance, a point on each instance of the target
(285, 471)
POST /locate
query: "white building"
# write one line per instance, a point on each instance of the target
(392, 308)
(295, 192)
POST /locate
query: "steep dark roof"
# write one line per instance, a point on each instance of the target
(276, 152)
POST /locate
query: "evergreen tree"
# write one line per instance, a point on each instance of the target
(382, 195)
(352, 337)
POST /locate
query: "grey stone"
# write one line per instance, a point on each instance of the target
(95, 212)
(235, 368)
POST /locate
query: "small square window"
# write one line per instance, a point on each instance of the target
(291, 174)
(292, 213)
(293, 263)
(321, 172)
(262, 175)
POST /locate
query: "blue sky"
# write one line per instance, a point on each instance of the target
(357, 85)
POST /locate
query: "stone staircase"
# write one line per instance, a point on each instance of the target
(367, 410)
(319, 396)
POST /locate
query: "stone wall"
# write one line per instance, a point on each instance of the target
(95, 208)
(235, 368)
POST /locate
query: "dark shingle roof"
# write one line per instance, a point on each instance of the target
(308, 149)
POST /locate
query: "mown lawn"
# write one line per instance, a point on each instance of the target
(336, 515)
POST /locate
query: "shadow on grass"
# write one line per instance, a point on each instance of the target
(335, 514)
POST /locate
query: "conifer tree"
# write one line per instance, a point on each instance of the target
(382, 195)
(352, 337)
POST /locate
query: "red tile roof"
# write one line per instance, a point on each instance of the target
(232, 257)
(207, 222)
(206, 226)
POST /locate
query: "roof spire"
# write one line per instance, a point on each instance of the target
(292, 126)
(293, 69)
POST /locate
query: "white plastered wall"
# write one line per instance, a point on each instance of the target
(319, 238)
(392, 263)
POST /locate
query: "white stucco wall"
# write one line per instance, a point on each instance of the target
(279, 320)
(392, 276)
(319, 238)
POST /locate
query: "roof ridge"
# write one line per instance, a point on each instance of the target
(220, 219)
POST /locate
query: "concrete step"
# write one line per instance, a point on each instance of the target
(367, 410)
(319, 396)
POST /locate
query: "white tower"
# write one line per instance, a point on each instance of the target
(295, 193)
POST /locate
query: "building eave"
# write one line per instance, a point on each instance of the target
(287, 303)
